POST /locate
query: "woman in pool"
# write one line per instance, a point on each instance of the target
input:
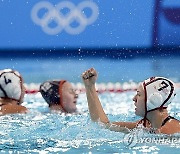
(12, 92)
(151, 101)
(60, 96)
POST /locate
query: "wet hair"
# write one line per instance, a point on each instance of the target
(51, 91)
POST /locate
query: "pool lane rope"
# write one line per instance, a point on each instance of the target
(33, 88)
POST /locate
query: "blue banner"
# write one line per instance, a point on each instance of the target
(169, 23)
(86, 23)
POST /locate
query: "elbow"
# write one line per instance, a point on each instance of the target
(104, 121)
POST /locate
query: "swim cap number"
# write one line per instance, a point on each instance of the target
(165, 86)
(6, 81)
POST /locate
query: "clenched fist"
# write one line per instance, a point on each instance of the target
(89, 77)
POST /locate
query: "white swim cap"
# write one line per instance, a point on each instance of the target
(159, 92)
(10, 84)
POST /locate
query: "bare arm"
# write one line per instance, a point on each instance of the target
(95, 108)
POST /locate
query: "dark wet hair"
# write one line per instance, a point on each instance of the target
(50, 91)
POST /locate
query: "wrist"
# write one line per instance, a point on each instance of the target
(90, 86)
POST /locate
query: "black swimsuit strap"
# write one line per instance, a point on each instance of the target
(167, 119)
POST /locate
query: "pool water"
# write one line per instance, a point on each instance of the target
(37, 70)
(41, 131)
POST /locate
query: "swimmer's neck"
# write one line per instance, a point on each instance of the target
(157, 117)
(57, 108)
(6, 101)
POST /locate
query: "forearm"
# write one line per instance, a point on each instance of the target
(129, 125)
(123, 127)
(95, 107)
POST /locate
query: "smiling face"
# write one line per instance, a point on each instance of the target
(139, 100)
(69, 98)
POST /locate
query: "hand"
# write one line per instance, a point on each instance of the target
(89, 77)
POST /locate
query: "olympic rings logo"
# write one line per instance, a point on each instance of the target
(54, 14)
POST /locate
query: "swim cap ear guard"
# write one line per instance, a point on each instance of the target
(51, 92)
(159, 93)
(10, 84)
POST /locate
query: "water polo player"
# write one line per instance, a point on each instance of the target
(151, 102)
(12, 92)
(60, 95)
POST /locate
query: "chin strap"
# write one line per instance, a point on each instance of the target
(145, 100)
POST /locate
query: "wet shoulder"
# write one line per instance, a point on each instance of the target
(171, 127)
(12, 109)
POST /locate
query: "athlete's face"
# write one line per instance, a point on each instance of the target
(139, 100)
(69, 98)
